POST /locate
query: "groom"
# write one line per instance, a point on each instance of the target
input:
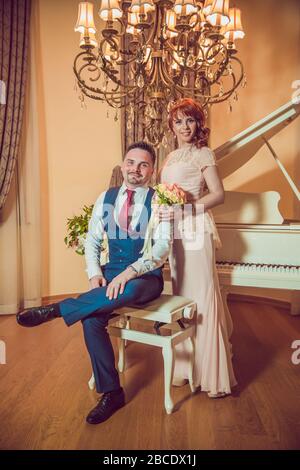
(127, 278)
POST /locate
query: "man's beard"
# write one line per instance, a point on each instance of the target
(134, 179)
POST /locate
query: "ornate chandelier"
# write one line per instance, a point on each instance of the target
(153, 52)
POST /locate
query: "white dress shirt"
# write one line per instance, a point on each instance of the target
(161, 236)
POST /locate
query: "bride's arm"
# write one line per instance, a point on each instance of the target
(216, 193)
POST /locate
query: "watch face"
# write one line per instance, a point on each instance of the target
(132, 268)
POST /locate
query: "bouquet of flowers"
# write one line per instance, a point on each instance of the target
(77, 230)
(168, 194)
(165, 195)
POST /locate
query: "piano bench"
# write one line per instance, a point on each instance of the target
(162, 320)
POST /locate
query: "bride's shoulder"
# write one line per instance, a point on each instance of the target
(205, 153)
(204, 150)
(204, 157)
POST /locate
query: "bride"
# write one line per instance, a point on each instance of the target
(192, 166)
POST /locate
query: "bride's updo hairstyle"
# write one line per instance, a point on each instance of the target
(189, 107)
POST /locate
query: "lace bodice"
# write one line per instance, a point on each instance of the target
(185, 167)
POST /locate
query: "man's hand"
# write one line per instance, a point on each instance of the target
(117, 285)
(97, 281)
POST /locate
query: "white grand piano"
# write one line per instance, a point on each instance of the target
(259, 248)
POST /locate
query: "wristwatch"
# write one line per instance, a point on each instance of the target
(135, 270)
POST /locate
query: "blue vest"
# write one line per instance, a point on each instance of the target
(124, 249)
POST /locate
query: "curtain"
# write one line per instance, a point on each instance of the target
(14, 33)
(20, 226)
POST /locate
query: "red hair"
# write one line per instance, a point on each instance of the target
(189, 107)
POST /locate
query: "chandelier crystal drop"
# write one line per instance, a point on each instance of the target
(152, 52)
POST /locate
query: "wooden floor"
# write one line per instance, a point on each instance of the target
(44, 396)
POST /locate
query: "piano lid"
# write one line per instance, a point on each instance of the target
(240, 149)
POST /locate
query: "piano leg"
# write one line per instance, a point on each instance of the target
(295, 302)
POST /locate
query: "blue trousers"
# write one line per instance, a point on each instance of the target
(93, 309)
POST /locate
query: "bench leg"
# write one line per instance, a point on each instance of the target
(91, 382)
(168, 355)
(191, 344)
(121, 348)
(127, 328)
(122, 323)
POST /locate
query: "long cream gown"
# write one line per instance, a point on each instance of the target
(194, 276)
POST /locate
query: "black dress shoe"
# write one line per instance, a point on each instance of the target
(108, 404)
(37, 315)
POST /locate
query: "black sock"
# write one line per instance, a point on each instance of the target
(116, 391)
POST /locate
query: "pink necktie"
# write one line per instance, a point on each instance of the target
(125, 212)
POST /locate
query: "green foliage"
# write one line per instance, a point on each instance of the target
(77, 228)
(163, 199)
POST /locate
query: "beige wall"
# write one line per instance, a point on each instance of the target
(270, 53)
(78, 147)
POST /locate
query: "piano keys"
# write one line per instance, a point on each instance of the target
(264, 275)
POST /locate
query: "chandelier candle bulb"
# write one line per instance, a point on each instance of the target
(219, 14)
(133, 19)
(185, 7)
(234, 29)
(88, 40)
(142, 7)
(207, 7)
(110, 10)
(85, 22)
(171, 23)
